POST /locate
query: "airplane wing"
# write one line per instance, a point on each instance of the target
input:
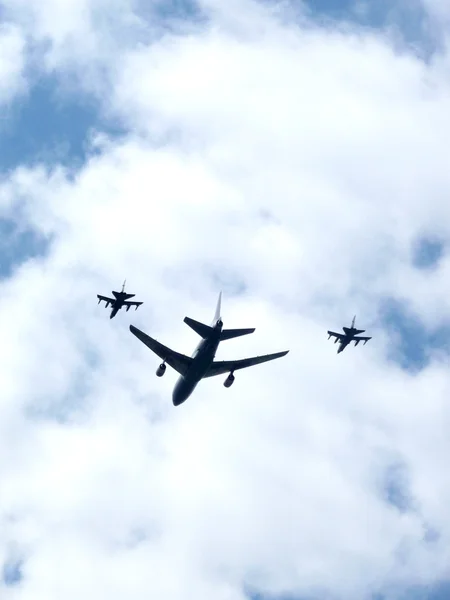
(107, 300)
(128, 304)
(227, 366)
(338, 336)
(361, 339)
(177, 361)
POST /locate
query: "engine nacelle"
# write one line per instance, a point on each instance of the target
(229, 380)
(161, 370)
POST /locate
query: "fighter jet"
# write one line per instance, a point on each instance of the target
(201, 364)
(351, 334)
(120, 299)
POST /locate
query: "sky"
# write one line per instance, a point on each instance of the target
(294, 156)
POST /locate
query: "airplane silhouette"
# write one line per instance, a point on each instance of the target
(120, 299)
(201, 364)
(351, 334)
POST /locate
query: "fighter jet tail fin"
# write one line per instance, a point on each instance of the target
(203, 330)
(228, 334)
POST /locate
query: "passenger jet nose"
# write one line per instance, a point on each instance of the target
(181, 392)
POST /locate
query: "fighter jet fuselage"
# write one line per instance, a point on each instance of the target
(119, 302)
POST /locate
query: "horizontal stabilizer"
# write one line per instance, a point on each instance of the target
(123, 295)
(350, 331)
(203, 330)
(228, 334)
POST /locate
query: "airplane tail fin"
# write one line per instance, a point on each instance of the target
(228, 334)
(353, 328)
(203, 330)
(218, 309)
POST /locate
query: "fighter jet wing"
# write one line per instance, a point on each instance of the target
(338, 336)
(361, 339)
(177, 361)
(227, 366)
(107, 300)
(128, 304)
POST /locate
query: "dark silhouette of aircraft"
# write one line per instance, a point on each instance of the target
(201, 364)
(120, 299)
(351, 334)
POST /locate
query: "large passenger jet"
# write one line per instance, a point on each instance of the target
(201, 364)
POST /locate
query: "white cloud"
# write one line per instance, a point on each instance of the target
(300, 163)
(12, 61)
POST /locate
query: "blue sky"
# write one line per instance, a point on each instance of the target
(409, 19)
(53, 125)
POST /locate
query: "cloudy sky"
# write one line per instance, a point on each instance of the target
(295, 156)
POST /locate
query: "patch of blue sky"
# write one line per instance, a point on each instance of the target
(50, 125)
(435, 591)
(261, 596)
(178, 9)
(167, 16)
(12, 572)
(17, 245)
(408, 20)
(410, 342)
(396, 487)
(427, 252)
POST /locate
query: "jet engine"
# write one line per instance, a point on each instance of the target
(161, 370)
(229, 380)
